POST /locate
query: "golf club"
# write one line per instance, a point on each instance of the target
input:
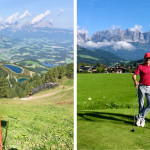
(135, 110)
(1, 146)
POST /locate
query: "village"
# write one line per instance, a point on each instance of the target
(109, 69)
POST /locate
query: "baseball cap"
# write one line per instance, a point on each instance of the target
(147, 55)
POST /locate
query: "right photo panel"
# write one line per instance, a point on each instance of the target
(113, 74)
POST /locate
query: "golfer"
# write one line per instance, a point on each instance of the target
(143, 89)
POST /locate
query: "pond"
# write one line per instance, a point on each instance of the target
(21, 80)
(14, 68)
(48, 65)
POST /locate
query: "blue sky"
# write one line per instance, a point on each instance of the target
(95, 15)
(59, 12)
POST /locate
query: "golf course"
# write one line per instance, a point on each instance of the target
(105, 113)
(43, 121)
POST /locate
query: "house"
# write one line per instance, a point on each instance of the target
(88, 69)
(116, 69)
(94, 68)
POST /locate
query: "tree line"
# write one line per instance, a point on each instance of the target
(129, 67)
(10, 88)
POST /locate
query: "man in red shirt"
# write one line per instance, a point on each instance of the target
(143, 89)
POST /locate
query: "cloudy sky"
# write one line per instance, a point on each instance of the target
(95, 15)
(58, 12)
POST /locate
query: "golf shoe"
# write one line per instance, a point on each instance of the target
(142, 123)
(138, 122)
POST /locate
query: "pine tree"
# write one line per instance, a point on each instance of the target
(69, 70)
(55, 75)
(62, 72)
(4, 86)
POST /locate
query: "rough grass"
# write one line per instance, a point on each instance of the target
(105, 121)
(42, 123)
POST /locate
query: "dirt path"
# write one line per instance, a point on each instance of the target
(47, 94)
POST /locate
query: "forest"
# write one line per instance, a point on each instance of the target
(10, 88)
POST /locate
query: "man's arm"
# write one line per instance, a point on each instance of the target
(135, 81)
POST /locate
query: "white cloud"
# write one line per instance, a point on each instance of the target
(60, 12)
(91, 44)
(136, 28)
(82, 31)
(13, 18)
(123, 45)
(40, 17)
(98, 44)
(25, 14)
(1, 19)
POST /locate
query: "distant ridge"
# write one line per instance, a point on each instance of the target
(96, 56)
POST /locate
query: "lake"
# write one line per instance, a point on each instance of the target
(16, 69)
(21, 80)
(48, 65)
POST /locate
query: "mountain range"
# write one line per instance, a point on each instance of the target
(127, 44)
(36, 30)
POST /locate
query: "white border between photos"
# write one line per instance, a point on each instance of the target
(75, 74)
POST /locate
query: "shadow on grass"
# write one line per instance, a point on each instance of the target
(100, 116)
(5, 124)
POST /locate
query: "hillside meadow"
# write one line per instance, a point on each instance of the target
(106, 107)
(44, 121)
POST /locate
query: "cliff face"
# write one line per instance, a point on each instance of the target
(120, 35)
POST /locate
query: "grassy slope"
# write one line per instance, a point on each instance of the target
(96, 56)
(109, 128)
(39, 123)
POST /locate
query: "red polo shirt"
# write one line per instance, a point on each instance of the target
(144, 71)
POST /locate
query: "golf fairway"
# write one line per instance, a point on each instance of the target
(111, 129)
(106, 107)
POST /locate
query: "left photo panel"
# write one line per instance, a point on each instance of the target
(36, 74)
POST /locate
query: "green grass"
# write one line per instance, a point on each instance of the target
(98, 91)
(111, 129)
(106, 123)
(40, 123)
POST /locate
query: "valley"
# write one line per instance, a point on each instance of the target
(43, 50)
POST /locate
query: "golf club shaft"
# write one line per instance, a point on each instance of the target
(135, 105)
(1, 146)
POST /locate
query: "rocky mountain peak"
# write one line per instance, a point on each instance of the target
(127, 35)
(120, 35)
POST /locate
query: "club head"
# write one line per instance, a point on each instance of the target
(132, 130)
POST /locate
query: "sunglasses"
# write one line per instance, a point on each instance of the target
(148, 58)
